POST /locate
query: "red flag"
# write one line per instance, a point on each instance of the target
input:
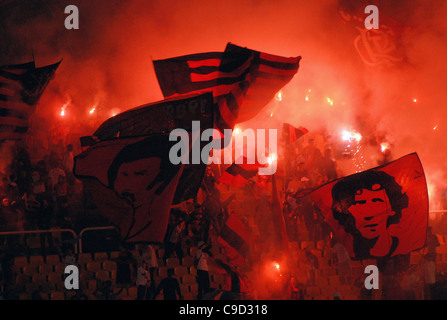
(21, 87)
(243, 81)
(238, 174)
(133, 183)
(236, 239)
(381, 212)
(291, 134)
(159, 118)
(278, 218)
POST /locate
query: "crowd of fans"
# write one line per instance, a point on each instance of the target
(45, 195)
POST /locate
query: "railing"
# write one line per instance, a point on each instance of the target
(85, 230)
(77, 239)
(24, 232)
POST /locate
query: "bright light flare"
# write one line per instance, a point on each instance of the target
(272, 158)
(279, 96)
(351, 135)
(415, 100)
(384, 146)
(237, 131)
(92, 110)
(114, 112)
(435, 127)
(63, 109)
(330, 101)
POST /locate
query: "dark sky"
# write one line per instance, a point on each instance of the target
(107, 62)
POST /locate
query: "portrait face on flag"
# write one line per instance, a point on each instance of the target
(380, 212)
(136, 185)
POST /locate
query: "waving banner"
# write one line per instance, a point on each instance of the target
(378, 213)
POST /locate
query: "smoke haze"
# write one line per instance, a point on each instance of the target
(107, 63)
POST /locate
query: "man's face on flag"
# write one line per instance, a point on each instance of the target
(371, 211)
(133, 179)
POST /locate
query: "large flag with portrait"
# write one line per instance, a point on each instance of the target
(378, 213)
(132, 182)
(159, 118)
(127, 168)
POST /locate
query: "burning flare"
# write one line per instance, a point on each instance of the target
(351, 136)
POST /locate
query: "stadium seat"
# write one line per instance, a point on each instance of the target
(87, 275)
(93, 266)
(193, 251)
(36, 260)
(312, 291)
(32, 287)
(307, 244)
(188, 279)
(24, 296)
(160, 252)
(180, 271)
(219, 279)
(317, 253)
(92, 285)
(132, 293)
(102, 275)
(21, 261)
(172, 262)
(109, 265)
(84, 258)
(48, 287)
(57, 280)
(114, 254)
(39, 279)
(334, 280)
(192, 270)
(188, 261)
(187, 296)
(29, 270)
(69, 294)
(57, 295)
(60, 268)
(321, 244)
(45, 268)
(22, 279)
(53, 259)
(162, 272)
(100, 256)
(44, 295)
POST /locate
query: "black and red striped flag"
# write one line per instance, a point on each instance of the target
(242, 80)
(290, 133)
(239, 173)
(236, 238)
(281, 238)
(21, 87)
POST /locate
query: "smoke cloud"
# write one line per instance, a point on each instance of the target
(107, 63)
